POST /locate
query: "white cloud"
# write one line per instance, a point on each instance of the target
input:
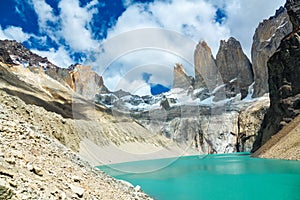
(151, 50)
(171, 28)
(127, 3)
(76, 24)
(136, 86)
(245, 15)
(72, 25)
(45, 14)
(58, 57)
(195, 20)
(14, 33)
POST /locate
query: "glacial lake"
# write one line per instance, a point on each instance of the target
(213, 177)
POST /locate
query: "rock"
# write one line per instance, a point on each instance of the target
(5, 172)
(13, 184)
(77, 190)
(284, 83)
(5, 192)
(233, 64)
(63, 196)
(137, 188)
(14, 106)
(10, 160)
(76, 179)
(249, 123)
(293, 9)
(181, 79)
(18, 154)
(35, 169)
(4, 56)
(63, 120)
(206, 71)
(266, 40)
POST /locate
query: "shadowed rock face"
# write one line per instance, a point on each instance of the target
(233, 64)
(293, 8)
(206, 71)
(284, 83)
(266, 40)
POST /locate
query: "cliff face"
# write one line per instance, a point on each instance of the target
(86, 82)
(284, 83)
(293, 9)
(266, 40)
(234, 67)
(224, 129)
(206, 71)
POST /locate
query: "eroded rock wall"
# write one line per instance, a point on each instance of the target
(266, 40)
(284, 82)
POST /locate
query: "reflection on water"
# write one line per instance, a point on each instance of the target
(231, 176)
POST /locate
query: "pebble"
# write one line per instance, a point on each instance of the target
(77, 190)
(10, 160)
(76, 179)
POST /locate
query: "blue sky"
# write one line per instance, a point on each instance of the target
(71, 31)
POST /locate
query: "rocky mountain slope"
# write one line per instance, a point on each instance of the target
(266, 40)
(284, 85)
(35, 165)
(37, 108)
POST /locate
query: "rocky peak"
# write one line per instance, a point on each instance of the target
(206, 71)
(21, 55)
(284, 83)
(80, 78)
(181, 79)
(266, 40)
(86, 82)
(234, 67)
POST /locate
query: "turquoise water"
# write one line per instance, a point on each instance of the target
(213, 177)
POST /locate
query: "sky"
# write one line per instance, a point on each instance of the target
(133, 44)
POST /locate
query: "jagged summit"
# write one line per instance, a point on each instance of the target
(206, 72)
(234, 67)
(21, 55)
(181, 79)
(278, 12)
